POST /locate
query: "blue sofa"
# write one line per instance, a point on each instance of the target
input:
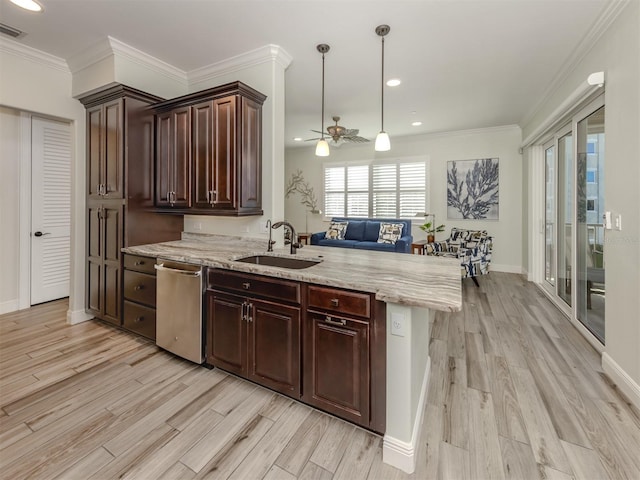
(362, 233)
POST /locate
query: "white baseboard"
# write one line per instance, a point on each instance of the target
(497, 267)
(401, 454)
(9, 306)
(623, 381)
(77, 316)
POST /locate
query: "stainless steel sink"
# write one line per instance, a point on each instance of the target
(282, 262)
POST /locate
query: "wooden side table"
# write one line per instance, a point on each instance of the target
(418, 247)
(304, 237)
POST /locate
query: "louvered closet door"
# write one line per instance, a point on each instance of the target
(50, 209)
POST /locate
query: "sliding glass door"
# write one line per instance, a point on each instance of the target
(573, 216)
(590, 229)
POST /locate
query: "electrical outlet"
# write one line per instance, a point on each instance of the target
(398, 322)
(197, 226)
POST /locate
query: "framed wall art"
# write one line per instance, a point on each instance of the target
(472, 189)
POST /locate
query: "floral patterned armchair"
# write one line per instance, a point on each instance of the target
(472, 247)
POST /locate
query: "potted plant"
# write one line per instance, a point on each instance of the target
(431, 230)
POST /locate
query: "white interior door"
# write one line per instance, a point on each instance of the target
(50, 209)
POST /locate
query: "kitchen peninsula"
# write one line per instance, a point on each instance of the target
(410, 288)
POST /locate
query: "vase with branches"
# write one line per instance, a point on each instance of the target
(297, 184)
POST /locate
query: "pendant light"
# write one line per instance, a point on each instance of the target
(322, 147)
(382, 140)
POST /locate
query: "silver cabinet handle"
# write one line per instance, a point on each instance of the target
(331, 321)
(138, 319)
(246, 285)
(177, 271)
(249, 309)
(335, 302)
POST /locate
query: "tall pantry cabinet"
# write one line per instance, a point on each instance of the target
(119, 192)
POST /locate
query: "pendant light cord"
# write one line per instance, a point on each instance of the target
(322, 133)
(382, 88)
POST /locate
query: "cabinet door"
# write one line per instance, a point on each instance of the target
(251, 155)
(181, 119)
(112, 221)
(163, 159)
(226, 332)
(203, 154)
(274, 346)
(95, 289)
(94, 151)
(336, 372)
(224, 153)
(173, 158)
(113, 170)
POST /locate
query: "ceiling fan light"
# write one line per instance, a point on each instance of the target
(322, 148)
(383, 144)
(30, 5)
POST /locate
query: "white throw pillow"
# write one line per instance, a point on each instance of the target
(336, 231)
(390, 232)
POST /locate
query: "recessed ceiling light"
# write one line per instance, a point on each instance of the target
(297, 139)
(416, 124)
(394, 82)
(30, 5)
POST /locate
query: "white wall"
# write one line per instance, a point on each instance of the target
(9, 211)
(500, 142)
(36, 82)
(616, 53)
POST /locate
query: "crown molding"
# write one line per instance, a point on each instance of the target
(90, 56)
(123, 50)
(266, 53)
(609, 14)
(37, 56)
(110, 46)
(470, 131)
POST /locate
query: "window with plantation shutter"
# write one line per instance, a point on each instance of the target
(386, 189)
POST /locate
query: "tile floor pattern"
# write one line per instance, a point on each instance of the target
(515, 392)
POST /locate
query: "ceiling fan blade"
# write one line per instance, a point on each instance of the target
(318, 131)
(355, 139)
(312, 139)
(351, 132)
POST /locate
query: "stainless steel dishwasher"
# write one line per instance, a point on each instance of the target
(179, 327)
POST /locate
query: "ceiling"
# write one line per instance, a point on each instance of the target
(463, 64)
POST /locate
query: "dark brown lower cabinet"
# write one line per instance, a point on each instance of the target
(336, 366)
(139, 291)
(105, 223)
(256, 339)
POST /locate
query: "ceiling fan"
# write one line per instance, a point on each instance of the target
(339, 134)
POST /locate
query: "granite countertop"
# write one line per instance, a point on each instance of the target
(415, 280)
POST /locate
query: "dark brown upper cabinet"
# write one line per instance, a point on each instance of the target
(104, 144)
(209, 144)
(173, 158)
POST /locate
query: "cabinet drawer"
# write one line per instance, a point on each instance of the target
(140, 287)
(340, 301)
(266, 287)
(139, 264)
(140, 319)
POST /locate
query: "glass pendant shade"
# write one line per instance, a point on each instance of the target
(322, 148)
(382, 142)
(30, 5)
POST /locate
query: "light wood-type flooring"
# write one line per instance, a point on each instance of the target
(515, 392)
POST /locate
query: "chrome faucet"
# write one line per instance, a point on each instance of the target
(294, 237)
(271, 242)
